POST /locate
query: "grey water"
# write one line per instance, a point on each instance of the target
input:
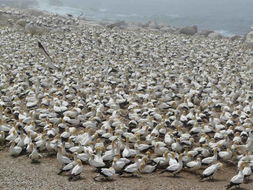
(226, 16)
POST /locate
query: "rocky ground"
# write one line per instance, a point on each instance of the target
(20, 174)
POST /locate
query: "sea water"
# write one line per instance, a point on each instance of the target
(228, 17)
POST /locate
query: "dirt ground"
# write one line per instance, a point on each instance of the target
(19, 174)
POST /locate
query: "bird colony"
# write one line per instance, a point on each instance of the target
(127, 102)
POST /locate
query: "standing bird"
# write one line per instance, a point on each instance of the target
(62, 158)
(132, 168)
(69, 166)
(107, 173)
(210, 171)
(76, 171)
(147, 168)
(35, 155)
(247, 172)
(210, 160)
(194, 165)
(175, 168)
(14, 149)
(237, 179)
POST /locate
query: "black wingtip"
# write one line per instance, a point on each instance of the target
(40, 45)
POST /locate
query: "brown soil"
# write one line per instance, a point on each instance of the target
(19, 174)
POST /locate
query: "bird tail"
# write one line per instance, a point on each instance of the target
(60, 172)
(70, 178)
(157, 166)
(202, 177)
(163, 171)
(229, 186)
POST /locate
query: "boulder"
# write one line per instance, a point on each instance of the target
(249, 39)
(215, 35)
(153, 25)
(235, 37)
(205, 32)
(119, 24)
(189, 30)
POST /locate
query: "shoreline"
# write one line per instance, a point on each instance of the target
(150, 25)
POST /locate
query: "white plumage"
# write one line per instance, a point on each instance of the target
(208, 172)
(108, 172)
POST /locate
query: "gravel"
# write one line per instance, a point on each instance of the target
(19, 174)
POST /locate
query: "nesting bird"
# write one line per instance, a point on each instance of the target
(121, 101)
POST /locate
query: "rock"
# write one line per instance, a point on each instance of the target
(205, 32)
(189, 30)
(235, 37)
(167, 29)
(133, 27)
(153, 25)
(249, 39)
(215, 35)
(119, 24)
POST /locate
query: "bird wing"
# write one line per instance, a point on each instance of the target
(207, 160)
(77, 170)
(68, 166)
(237, 179)
(65, 160)
(191, 164)
(120, 163)
(44, 51)
(131, 168)
(210, 170)
(107, 172)
(173, 167)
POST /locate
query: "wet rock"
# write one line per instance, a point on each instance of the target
(215, 35)
(235, 37)
(205, 32)
(153, 25)
(119, 24)
(189, 30)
